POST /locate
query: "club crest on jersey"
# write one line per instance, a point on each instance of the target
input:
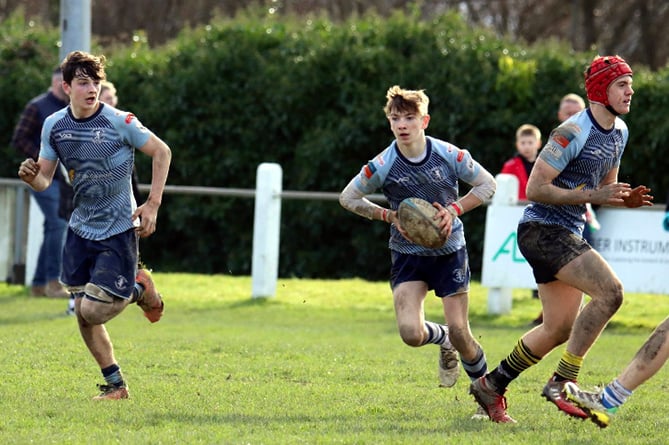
(98, 137)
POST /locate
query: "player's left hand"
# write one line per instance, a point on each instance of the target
(446, 223)
(638, 197)
(148, 215)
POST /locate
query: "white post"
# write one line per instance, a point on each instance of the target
(266, 228)
(7, 198)
(500, 298)
(35, 237)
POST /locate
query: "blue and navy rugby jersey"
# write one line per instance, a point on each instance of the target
(434, 179)
(98, 153)
(584, 153)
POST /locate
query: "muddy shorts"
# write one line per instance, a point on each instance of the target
(548, 248)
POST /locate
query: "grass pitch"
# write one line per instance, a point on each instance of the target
(321, 363)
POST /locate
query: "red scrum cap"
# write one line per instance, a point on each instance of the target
(601, 73)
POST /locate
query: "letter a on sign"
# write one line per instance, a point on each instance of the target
(510, 247)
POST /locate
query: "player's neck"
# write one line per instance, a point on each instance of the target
(604, 117)
(84, 112)
(413, 149)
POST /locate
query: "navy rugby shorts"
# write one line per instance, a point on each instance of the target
(446, 274)
(110, 264)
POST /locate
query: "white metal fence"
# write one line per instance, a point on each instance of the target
(21, 224)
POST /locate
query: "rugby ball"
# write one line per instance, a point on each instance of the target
(417, 219)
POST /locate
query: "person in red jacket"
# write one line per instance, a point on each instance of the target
(528, 142)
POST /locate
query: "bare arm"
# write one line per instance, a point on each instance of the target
(355, 201)
(540, 188)
(148, 212)
(37, 174)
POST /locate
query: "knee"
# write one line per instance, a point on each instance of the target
(89, 313)
(460, 337)
(556, 335)
(617, 295)
(97, 306)
(613, 297)
(412, 335)
(562, 334)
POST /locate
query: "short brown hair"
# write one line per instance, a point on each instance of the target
(407, 101)
(80, 63)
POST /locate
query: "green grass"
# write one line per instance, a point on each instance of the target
(320, 363)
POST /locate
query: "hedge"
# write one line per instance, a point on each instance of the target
(308, 93)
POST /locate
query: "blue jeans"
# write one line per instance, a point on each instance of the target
(51, 253)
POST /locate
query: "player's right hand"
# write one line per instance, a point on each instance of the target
(28, 170)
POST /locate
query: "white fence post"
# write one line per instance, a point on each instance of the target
(7, 199)
(35, 238)
(500, 298)
(266, 228)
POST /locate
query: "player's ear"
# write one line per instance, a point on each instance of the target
(426, 121)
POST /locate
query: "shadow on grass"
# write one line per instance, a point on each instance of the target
(254, 302)
(31, 318)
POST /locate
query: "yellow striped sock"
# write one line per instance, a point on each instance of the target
(569, 366)
(521, 357)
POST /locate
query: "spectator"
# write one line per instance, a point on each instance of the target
(570, 104)
(528, 143)
(26, 140)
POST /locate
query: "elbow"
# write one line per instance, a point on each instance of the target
(493, 189)
(342, 200)
(167, 154)
(531, 194)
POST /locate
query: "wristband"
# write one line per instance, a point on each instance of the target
(384, 215)
(457, 207)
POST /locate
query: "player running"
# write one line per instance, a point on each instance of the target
(415, 165)
(96, 143)
(578, 165)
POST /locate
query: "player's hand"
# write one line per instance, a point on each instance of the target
(613, 194)
(28, 170)
(148, 216)
(398, 226)
(638, 197)
(446, 219)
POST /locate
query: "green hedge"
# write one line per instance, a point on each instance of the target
(308, 94)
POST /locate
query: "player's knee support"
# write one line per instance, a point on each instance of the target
(98, 307)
